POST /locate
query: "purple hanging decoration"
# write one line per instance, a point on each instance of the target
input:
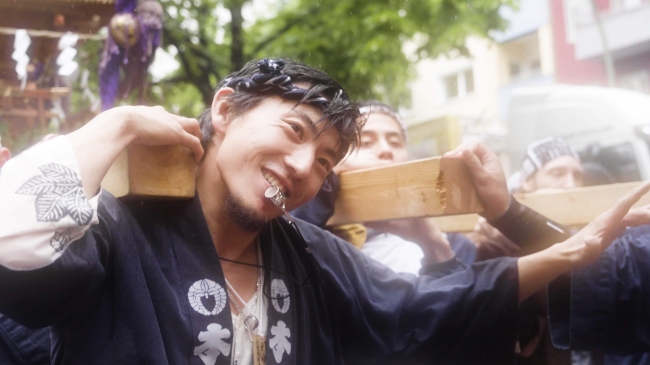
(134, 36)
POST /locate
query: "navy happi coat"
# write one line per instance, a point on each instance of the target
(140, 282)
(132, 290)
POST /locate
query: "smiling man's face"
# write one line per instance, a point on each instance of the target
(273, 144)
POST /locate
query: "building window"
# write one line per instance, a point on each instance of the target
(515, 69)
(635, 81)
(451, 86)
(469, 81)
(459, 84)
(535, 65)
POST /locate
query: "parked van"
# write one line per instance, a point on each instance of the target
(607, 126)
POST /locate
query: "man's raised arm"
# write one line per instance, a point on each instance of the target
(539, 269)
(49, 193)
(99, 142)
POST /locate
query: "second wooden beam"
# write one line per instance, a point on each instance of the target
(428, 187)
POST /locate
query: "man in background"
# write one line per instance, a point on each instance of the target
(5, 154)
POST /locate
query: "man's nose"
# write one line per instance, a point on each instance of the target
(569, 181)
(384, 150)
(301, 162)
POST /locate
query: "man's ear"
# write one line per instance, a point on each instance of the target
(529, 186)
(220, 108)
(5, 155)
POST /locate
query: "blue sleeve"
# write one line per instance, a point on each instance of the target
(606, 306)
(464, 254)
(320, 209)
(64, 289)
(464, 249)
(20, 345)
(467, 317)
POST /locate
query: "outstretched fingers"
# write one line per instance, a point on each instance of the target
(621, 208)
(637, 216)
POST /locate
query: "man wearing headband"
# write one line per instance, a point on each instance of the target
(223, 277)
(551, 163)
(402, 245)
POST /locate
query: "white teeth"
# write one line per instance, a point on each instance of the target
(274, 182)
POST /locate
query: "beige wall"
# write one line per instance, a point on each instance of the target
(491, 66)
(428, 90)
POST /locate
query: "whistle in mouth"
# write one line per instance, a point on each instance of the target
(277, 198)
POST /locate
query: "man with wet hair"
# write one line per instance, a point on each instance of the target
(224, 278)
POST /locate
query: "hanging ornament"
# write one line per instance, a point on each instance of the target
(21, 44)
(125, 30)
(134, 35)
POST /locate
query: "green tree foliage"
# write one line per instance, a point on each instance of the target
(370, 46)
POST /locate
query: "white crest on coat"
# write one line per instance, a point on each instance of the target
(279, 292)
(279, 343)
(204, 289)
(213, 344)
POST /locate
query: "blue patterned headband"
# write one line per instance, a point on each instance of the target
(272, 79)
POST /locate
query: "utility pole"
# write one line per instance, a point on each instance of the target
(607, 55)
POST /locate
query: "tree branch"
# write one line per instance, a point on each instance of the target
(290, 24)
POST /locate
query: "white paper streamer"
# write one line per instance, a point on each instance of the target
(65, 61)
(21, 44)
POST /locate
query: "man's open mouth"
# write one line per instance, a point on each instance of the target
(270, 177)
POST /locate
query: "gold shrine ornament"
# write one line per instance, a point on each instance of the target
(124, 29)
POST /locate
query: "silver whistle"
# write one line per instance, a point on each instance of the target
(278, 198)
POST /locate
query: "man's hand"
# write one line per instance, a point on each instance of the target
(155, 126)
(422, 231)
(585, 247)
(98, 143)
(539, 269)
(637, 216)
(488, 177)
(490, 243)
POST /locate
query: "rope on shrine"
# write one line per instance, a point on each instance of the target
(52, 34)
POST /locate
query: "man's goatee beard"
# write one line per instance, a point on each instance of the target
(245, 218)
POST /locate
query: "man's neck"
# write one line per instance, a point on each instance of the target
(230, 241)
(236, 249)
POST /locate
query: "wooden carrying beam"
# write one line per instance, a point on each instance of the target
(571, 207)
(429, 187)
(576, 207)
(152, 171)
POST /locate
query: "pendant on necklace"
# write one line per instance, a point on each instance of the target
(259, 349)
(251, 322)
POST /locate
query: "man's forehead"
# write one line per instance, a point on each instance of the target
(381, 123)
(565, 162)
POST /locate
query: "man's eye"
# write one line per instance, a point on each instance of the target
(300, 131)
(325, 163)
(366, 144)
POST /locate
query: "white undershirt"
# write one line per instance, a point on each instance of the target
(395, 252)
(242, 346)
